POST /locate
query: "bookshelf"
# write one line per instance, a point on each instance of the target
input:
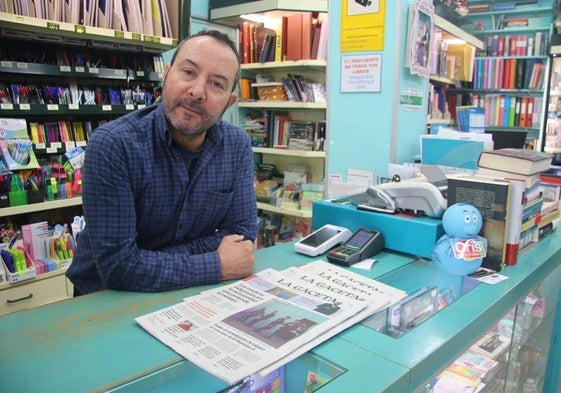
(510, 76)
(551, 141)
(270, 15)
(443, 67)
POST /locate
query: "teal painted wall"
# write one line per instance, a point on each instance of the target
(368, 130)
(199, 8)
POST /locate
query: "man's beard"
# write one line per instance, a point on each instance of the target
(194, 105)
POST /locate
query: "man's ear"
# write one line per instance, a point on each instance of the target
(232, 101)
(166, 70)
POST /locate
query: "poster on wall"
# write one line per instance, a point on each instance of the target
(362, 25)
(361, 73)
(419, 33)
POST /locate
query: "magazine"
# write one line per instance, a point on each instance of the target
(249, 325)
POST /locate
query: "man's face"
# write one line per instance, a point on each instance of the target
(197, 87)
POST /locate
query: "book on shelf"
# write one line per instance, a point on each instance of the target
(551, 176)
(519, 161)
(529, 180)
(302, 135)
(492, 198)
(262, 322)
(492, 344)
(478, 362)
(464, 60)
(294, 37)
(449, 381)
(551, 192)
(516, 207)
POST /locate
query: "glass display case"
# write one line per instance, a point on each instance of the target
(511, 355)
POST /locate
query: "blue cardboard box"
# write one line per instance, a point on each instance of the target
(411, 235)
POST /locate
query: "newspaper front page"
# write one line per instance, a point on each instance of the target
(244, 327)
(343, 282)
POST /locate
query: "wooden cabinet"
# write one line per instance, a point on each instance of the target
(43, 289)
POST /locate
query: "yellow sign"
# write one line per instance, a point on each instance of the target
(362, 25)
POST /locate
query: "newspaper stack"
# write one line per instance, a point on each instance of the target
(268, 319)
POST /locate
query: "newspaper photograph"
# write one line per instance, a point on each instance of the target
(240, 328)
(320, 274)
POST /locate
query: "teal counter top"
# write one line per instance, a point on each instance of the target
(92, 343)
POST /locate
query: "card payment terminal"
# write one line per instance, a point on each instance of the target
(363, 244)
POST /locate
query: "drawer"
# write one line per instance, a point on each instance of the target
(35, 292)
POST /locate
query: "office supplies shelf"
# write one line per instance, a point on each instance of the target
(42, 53)
(58, 31)
(23, 110)
(42, 206)
(21, 68)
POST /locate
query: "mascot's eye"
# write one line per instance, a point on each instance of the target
(474, 218)
(467, 219)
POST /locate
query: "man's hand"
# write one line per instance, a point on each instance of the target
(236, 257)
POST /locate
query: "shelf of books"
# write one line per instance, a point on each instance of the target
(509, 72)
(283, 105)
(451, 62)
(291, 212)
(457, 31)
(290, 152)
(318, 64)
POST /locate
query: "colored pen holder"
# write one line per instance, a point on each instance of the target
(17, 198)
(12, 165)
(28, 273)
(35, 196)
(4, 200)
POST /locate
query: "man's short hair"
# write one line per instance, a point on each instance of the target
(220, 36)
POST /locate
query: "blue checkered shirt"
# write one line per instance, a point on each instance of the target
(154, 222)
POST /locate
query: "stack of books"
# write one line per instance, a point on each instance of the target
(526, 215)
(524, 164)
(302, 135)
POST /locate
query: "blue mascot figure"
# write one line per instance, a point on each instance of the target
(461, 250)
